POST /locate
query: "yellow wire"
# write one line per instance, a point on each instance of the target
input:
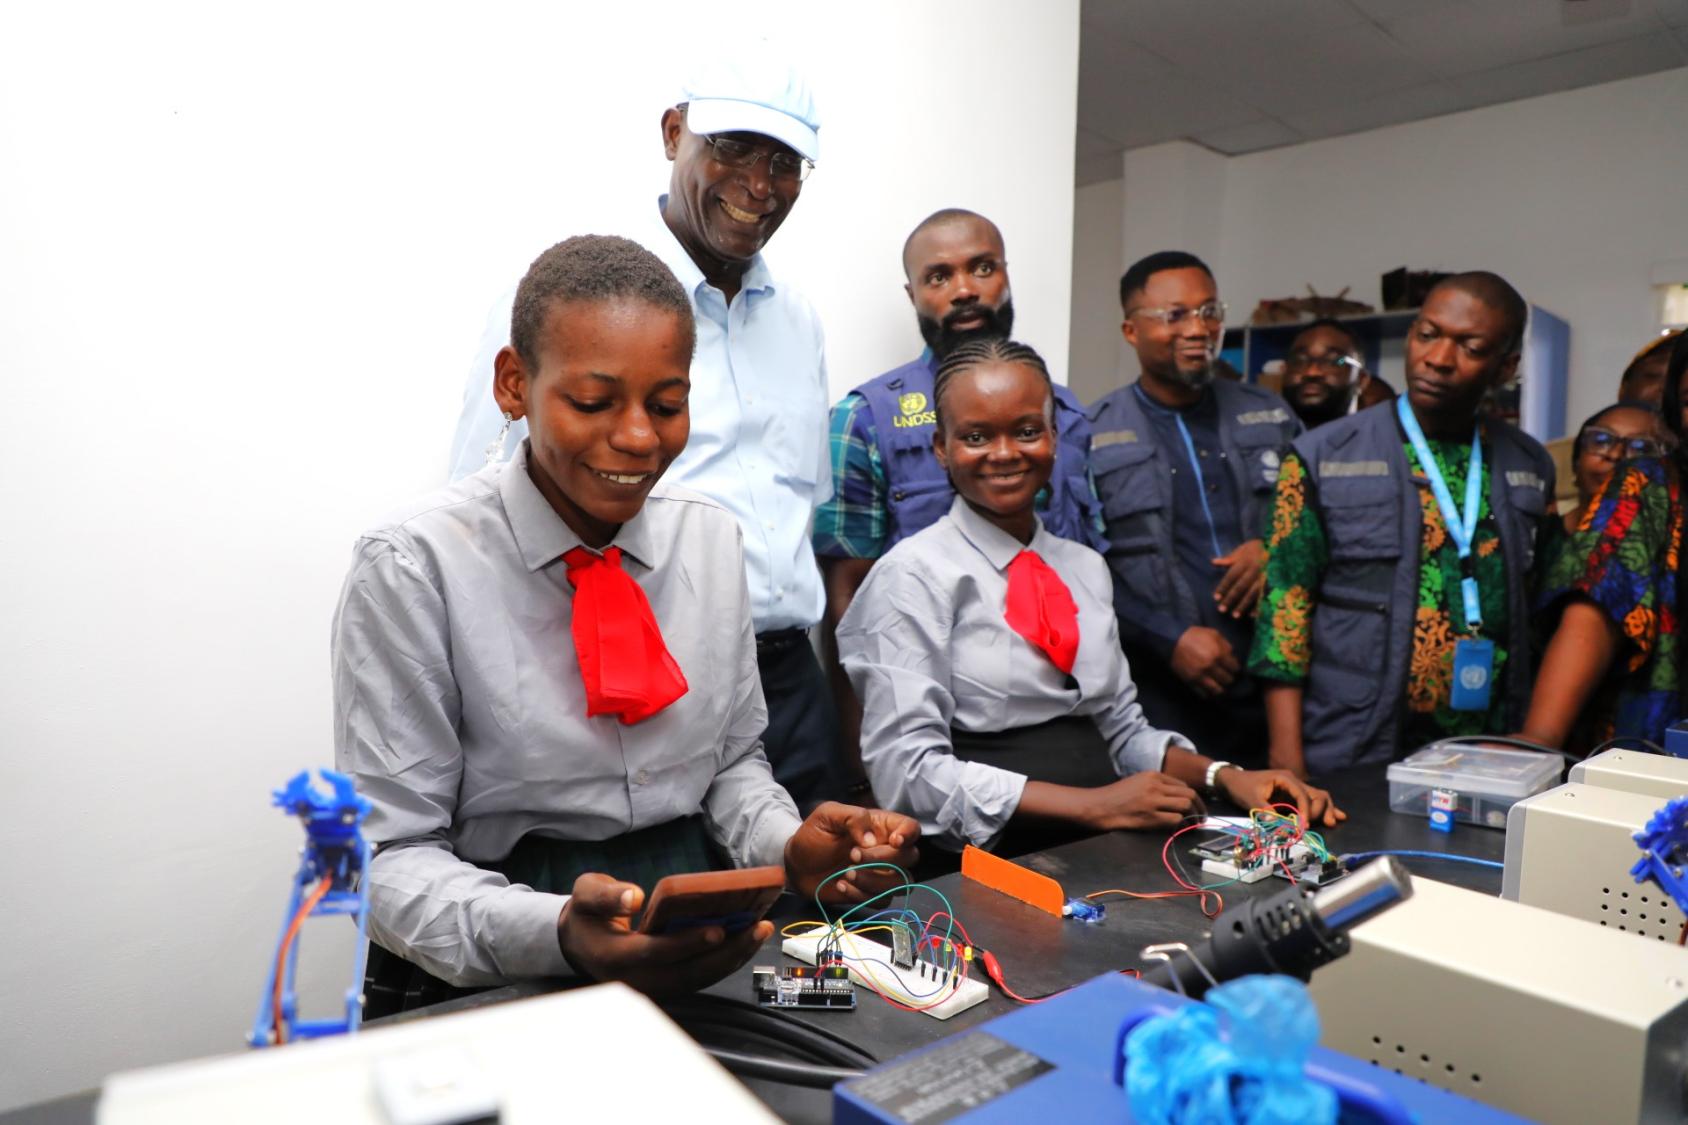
(786, 932)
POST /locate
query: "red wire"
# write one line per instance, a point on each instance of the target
(305, 909)
(1205, 893)
(993, 969)
(931, 924)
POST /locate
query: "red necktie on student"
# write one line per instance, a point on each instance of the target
(627, 669)
(1041, 609)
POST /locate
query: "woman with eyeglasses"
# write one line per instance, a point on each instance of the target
(1613, 666)
(1622, 432)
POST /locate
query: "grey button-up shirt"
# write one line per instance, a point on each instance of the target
(460, 712)
(926, 646)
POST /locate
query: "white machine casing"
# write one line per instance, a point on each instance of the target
(1569, 850)
(1632, 771)
(1526, 1010)
(601, 1053)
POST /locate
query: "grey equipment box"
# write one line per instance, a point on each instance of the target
(1526, 1010)
(1656, 775)
(1569, 850)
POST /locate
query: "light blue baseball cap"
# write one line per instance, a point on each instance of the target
(759, 91)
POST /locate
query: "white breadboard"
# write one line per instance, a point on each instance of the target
(1297, 857)
(870, 965)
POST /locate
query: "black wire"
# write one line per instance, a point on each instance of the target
(744, 1014)
(739, 1015)
(811, 1050)
(1630, 741)
(777, 1070)
(732, 1037)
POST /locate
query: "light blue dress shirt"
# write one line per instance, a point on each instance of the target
(759, 408)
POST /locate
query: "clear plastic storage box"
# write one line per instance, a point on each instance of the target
(1485, 781)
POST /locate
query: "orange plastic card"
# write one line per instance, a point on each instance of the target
(1012, 880)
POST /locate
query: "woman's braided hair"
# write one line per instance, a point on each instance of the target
(974, 353)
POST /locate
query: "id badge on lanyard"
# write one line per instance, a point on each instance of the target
(1474, 668)
(1474, 657)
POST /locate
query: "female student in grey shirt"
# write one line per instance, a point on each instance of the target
(545, 676)
(986, 653)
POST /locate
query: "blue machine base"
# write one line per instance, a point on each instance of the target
(1060, 1060)
(1676, 739)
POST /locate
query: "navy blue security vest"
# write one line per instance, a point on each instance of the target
(1134, 479)
(1355, 695)
(899, 403)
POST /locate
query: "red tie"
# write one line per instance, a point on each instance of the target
(1040, 608)
(627, 668)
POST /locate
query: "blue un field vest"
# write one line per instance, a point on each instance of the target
(1134, 479)
(1355, 695)
(900, 405)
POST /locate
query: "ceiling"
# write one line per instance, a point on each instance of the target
(1243, 75)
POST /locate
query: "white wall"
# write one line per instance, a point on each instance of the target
(245, 254)
(1572, 197)
(1097, 350)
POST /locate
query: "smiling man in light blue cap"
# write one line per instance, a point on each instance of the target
(742, 137)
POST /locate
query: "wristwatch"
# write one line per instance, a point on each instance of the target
(1213, 774)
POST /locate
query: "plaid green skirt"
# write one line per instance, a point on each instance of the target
(392, 985)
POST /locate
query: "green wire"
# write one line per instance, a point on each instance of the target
(906, 885)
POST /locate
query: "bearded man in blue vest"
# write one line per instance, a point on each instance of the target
(1185, 465)
(1403, 547)
(887, 483)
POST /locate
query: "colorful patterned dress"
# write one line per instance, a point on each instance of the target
(1298, 554)
(1623, 558)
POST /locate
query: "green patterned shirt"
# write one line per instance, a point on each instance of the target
(1298, 553)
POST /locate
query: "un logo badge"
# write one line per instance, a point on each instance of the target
(912, 403)
(1473, 676)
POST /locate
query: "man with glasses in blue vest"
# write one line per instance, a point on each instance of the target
(742, 140)
(1185, 465)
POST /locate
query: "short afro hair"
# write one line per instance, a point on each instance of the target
(1334, 325)
(1495, 291)
(592, 268)
(1143, 269)
(938, 218)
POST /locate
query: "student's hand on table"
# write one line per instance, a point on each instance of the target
(1245, 578)
(836, 836)
(1255, 789)
(595, 931)
(1143, 800)
(1203, 659)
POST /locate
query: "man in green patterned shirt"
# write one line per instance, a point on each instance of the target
(1364, 610)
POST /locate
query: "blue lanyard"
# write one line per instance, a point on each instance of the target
(1461, 531)
(1195, 464)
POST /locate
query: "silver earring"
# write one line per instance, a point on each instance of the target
(495, 451)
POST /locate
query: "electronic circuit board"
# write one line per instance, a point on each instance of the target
(826, 988)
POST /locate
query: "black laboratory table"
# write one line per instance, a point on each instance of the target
(1039, 952)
